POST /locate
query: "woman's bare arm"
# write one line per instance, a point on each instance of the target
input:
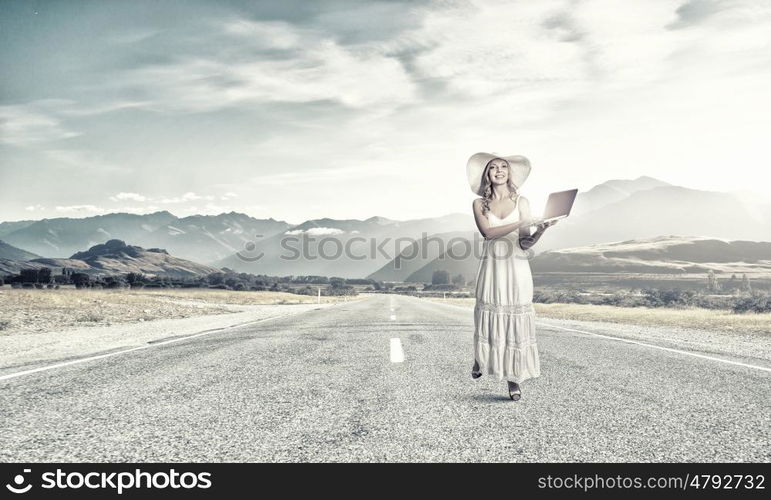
(488, 231)
(526, 239)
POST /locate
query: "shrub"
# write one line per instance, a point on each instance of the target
(28, 275)
(114, 282)
(669, 298)
(44, 275)
(623, 299)
(559, 296)
(440, 278)
(215, 278)
(135, 279)
(758, 302)
(80, 280)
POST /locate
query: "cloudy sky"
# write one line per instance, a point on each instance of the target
(298, 109)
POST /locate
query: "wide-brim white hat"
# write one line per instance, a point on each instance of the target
(519, 167)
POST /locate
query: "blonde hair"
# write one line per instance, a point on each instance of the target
(487, 187)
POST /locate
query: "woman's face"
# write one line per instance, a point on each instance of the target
(498, 172)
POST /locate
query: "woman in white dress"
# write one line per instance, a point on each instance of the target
(504, 319)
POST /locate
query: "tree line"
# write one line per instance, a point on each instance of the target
(226, 279)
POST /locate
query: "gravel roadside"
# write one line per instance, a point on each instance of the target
(22, 352)
(748, 345)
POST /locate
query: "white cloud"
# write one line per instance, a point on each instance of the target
(315, 68)
(589, 90)
(136, 209)
(189, 196)
(84, 160)
(90, 209)
(316, 231)
(185, 203)
(98, 108)
(265, 34)
(484, 48)
(184, 200)
(34, 208)
(27, 125)
(318, 175)
(128, 196)
(214, 209)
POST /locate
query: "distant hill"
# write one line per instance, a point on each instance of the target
(459, 258)
(663, 210)
(660, 255)
(666, 254)
(10, 252)
(348, 248)
(611, 192)
(8, 266)
(640, 209)
(64, 236)
(9, 227)
(204, 238)
(616, 210)
(420, 253)
(210, 238)
(116, 257)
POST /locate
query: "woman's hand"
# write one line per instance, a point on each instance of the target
(488, 231)
(542, 226)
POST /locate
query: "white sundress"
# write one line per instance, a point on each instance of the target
(504, 319)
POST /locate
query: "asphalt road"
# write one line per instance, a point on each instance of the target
(321, 386)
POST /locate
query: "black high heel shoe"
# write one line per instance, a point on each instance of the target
(515, 393)
(475, 374)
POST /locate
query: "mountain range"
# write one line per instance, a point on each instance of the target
(115, 257)
(618, 210)
(379, 248)
(203, 238)
(10, 252)
(344, 248)
(665, 254)
(660, 255)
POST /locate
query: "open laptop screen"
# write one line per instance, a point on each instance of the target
(559, 204)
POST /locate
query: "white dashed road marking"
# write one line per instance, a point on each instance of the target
(397, 354)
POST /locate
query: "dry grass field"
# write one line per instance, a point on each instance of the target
(30, 311)
(705, 319)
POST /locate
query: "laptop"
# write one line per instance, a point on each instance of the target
(557, 207)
